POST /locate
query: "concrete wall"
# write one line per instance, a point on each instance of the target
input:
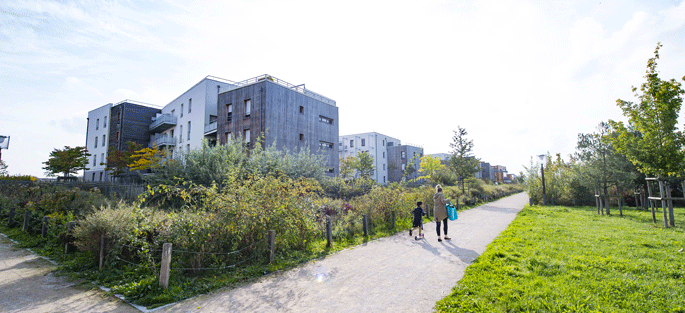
(98, 126)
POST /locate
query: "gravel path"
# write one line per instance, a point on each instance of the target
(28, 285)
(393, 274)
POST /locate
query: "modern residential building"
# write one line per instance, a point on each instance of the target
(485, 172)
(500, 173)
(112, 125)
(288, 115)
(401, 156)
(191, 117)
(376, 145)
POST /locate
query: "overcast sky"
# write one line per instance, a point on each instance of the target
(523, 77)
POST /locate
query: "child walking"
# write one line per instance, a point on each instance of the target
(418, 213)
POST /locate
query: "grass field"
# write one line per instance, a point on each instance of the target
(567, 259)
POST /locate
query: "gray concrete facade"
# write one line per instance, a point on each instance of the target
(401, 156)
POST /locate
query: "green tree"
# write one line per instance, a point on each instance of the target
(347, 166)
(462, 161)
(118, 161)
(3, 168)
(651, 140)
(601, 165)
(66, 161)
(431, 168)
(364, 164)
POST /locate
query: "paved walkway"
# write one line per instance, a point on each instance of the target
(393, 274)
(28, 285)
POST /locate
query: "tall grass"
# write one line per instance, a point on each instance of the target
(561, 259)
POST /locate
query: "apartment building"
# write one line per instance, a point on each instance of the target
(112, 125)
(401, 156)
(499, 173)
(288, 115)
(185, 121)
(376, 145)
(485, 172)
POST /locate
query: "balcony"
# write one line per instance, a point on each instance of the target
(165, 142)
(162, 123)
(210, 129)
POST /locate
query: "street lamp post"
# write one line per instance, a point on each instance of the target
(542, 172)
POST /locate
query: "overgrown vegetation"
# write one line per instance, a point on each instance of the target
(563, 259)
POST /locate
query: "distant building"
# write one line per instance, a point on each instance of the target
(399, 158)
(376, 145)
(499, 173)
(112, 125)
(485, 172)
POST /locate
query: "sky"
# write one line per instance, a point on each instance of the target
(522, 77)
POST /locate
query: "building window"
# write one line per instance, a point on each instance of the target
(384, 154)
(228, 136)
(301, 110)
(95, 161)
(363, 142)
(229, 112)
(93, 177)
(326, 120)
(103, 140)
(180, 134)
(404, 166)
(330, 170)
(117, 136)
(96, 141)
(383, 178)
(403, 155)
(246, 135)
(100, 176)
(173, 112)
(188, 148)
(102, 158)
(326, 145)
(301, 136)
(188, 131)
(181, 109)
(248, 107)
(351, 143)
(383, 142)
(97, 124)
(190, 105)
(384, 167)
(104, 122)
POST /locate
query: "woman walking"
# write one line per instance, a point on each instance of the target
(440, 212)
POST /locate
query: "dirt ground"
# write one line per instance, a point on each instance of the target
(28, 285)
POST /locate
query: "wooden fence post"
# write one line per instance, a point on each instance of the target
(272, 245)
(365, 224)
(671, 214)
(70, 229)
(10, 221)
(652, 203)
(329, 232)
(663, 202)
(392, 219)
(44, 227)
(103, 241)
(26, 221)
(165, 266)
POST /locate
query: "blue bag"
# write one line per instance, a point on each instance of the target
(451, 212)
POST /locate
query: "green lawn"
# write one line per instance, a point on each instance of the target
(565, 259)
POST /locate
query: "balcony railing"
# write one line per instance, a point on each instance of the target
(210, 128)
(165, 141)
(162, 123)
(299, 88)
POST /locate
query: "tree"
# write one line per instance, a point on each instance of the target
(602, 166)
(431, 168)
(651, 140)
(119, 161)
(364, 164)
(462, 161)
(346, 166)
(3, 168)
(66, 161)
(147, 159)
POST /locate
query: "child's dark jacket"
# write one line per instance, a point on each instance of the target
(418, 214)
